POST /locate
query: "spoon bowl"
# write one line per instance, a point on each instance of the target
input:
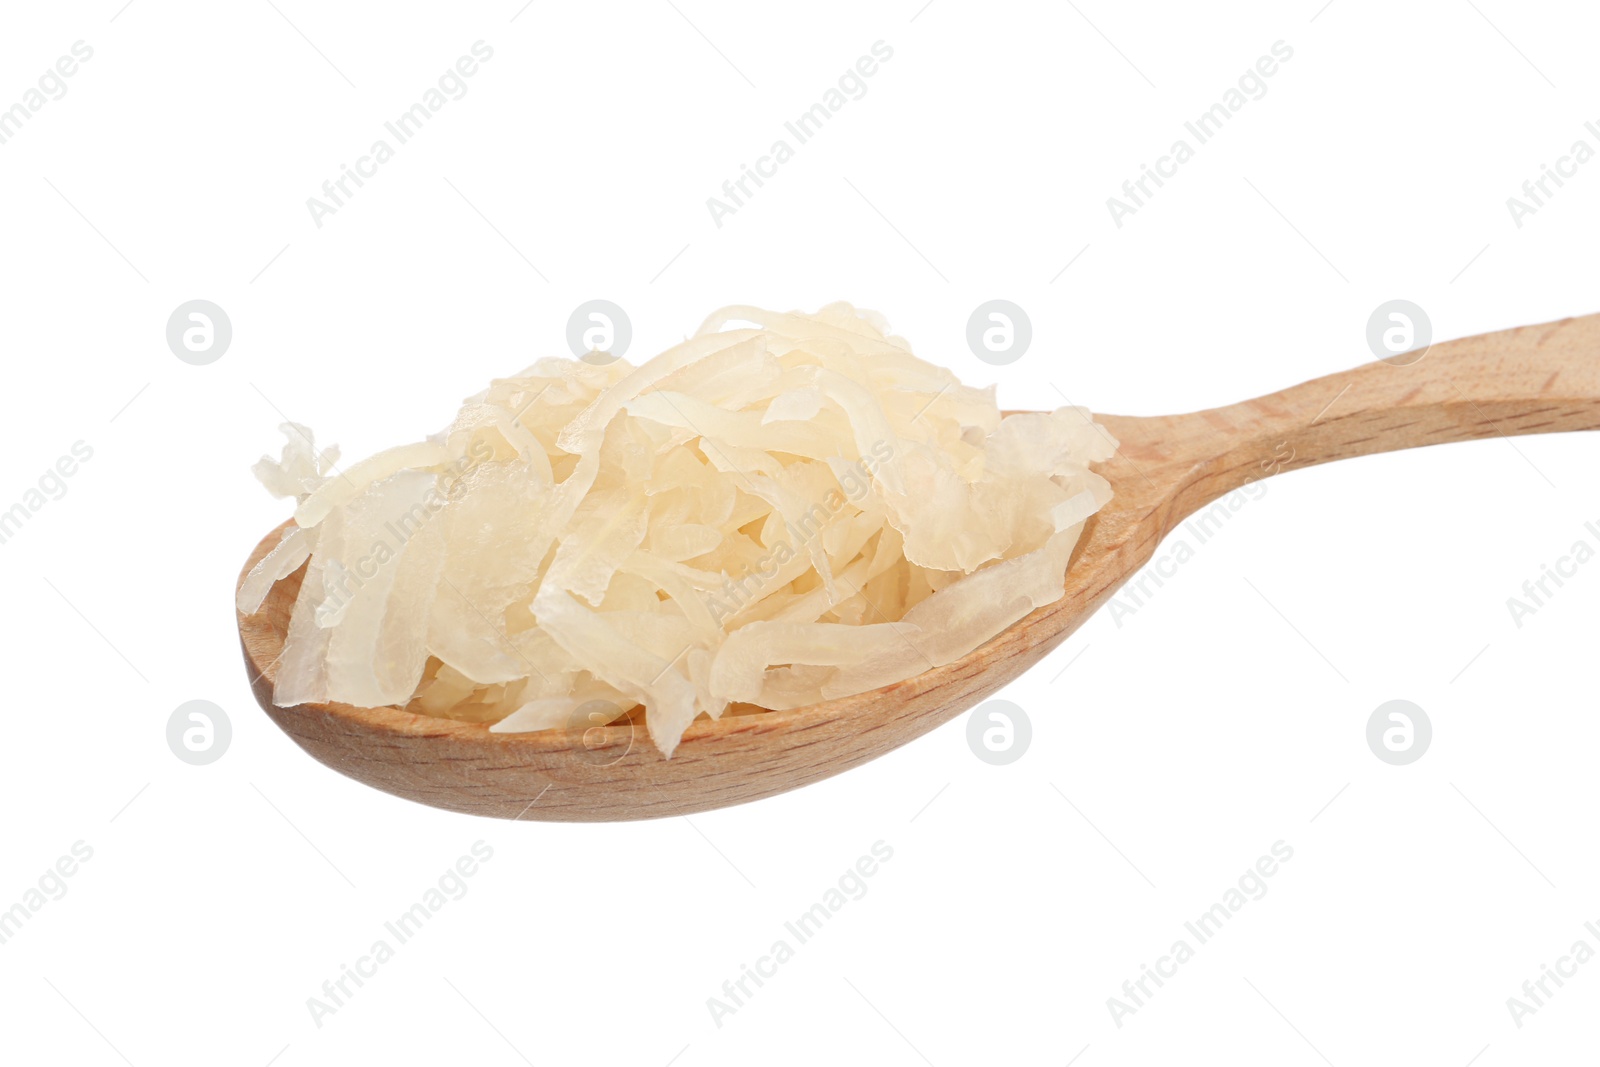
(1536, 379)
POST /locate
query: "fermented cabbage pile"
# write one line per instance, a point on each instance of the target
(763, 517)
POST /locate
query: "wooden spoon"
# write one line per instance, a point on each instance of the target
(1537, 379)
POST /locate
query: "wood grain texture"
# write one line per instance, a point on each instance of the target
(1537, 379)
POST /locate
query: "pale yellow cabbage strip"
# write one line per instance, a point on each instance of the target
(767, 516)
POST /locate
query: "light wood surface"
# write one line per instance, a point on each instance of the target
(1537, 379)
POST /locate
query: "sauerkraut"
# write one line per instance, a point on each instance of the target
(763, 517)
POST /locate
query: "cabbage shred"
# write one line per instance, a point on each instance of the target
(761, 517)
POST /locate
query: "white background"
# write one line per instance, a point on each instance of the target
(1175, 749)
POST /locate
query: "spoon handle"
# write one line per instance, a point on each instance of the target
(1533, 379)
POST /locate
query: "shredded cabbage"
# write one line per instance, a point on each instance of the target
(765, 517)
